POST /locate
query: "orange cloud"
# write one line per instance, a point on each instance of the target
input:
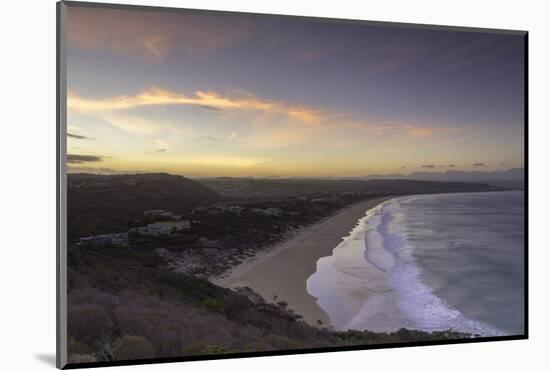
(300, 119)
(404, 128)
(428, 131)
(421, 131)
(158, 96)
(152, 34)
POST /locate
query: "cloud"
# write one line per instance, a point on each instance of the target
(77, 158)
(428, 166)
(272, 123)
(81, 137)
(99, 171)
(400, 127)
(427, 131)
(140, 126)
(211, 138)
(153, 35)
(238, 102)
(479, 164)
(209, 107)
(161, 145)
(111, 107)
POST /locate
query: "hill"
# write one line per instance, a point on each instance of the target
(105, 203)
(274, 188)
(512, 175)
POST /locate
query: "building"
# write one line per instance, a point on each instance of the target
(214, 211)
(105, 240)
(152, 213)
(276, 212)
(162, 228)
(236, 210)
(158, 213)
(320, 200)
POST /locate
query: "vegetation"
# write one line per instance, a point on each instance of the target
(126, 303)
(132, 347)
(98, 204)
(122, 306)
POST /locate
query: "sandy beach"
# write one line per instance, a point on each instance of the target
(283, 271)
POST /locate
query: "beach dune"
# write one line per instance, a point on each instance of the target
(281, 273)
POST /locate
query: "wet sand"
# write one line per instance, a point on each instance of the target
(282, 272)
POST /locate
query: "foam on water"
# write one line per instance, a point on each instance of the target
(416, 300)
(373, 282)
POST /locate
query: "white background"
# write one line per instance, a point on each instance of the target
(27, 144)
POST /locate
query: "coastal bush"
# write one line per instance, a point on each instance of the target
(153, 323)
(214, 305)
(274, 342)
(179, 314)
(236, 305)
(88, 323)
(171, 327)
(194, 348)
(133, 347)
(74, 346)
(280, 342)
(213, 349)
(354, 337)
(93, 296)
(80, 358)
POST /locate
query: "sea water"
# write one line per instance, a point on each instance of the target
(429, 262)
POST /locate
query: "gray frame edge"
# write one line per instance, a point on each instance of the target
(61, 187)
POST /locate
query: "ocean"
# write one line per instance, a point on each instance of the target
(429, 262)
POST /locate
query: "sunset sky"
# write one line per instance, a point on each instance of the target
(240, 95)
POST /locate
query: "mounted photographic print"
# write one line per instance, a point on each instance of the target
(234, 185)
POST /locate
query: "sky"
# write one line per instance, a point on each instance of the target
(240, 95)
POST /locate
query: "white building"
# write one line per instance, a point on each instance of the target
(268, 211)
(237, 210)
(153, 212)
(105, 240)
(162, 228)
(157, 213)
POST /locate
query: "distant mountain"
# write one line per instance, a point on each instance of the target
(277, 188)
(106, 203)
(512, 175)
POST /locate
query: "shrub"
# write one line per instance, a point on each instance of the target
(89, 324)
(195, 348)
(236, 306)
(280, 342)
(92, 296)
(213, 305)
(271, 343)
(76, 347)
(132, 347)
(80, 359)
(213, 349)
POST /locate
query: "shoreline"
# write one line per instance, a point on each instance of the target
(281, 273)
(360, 288)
